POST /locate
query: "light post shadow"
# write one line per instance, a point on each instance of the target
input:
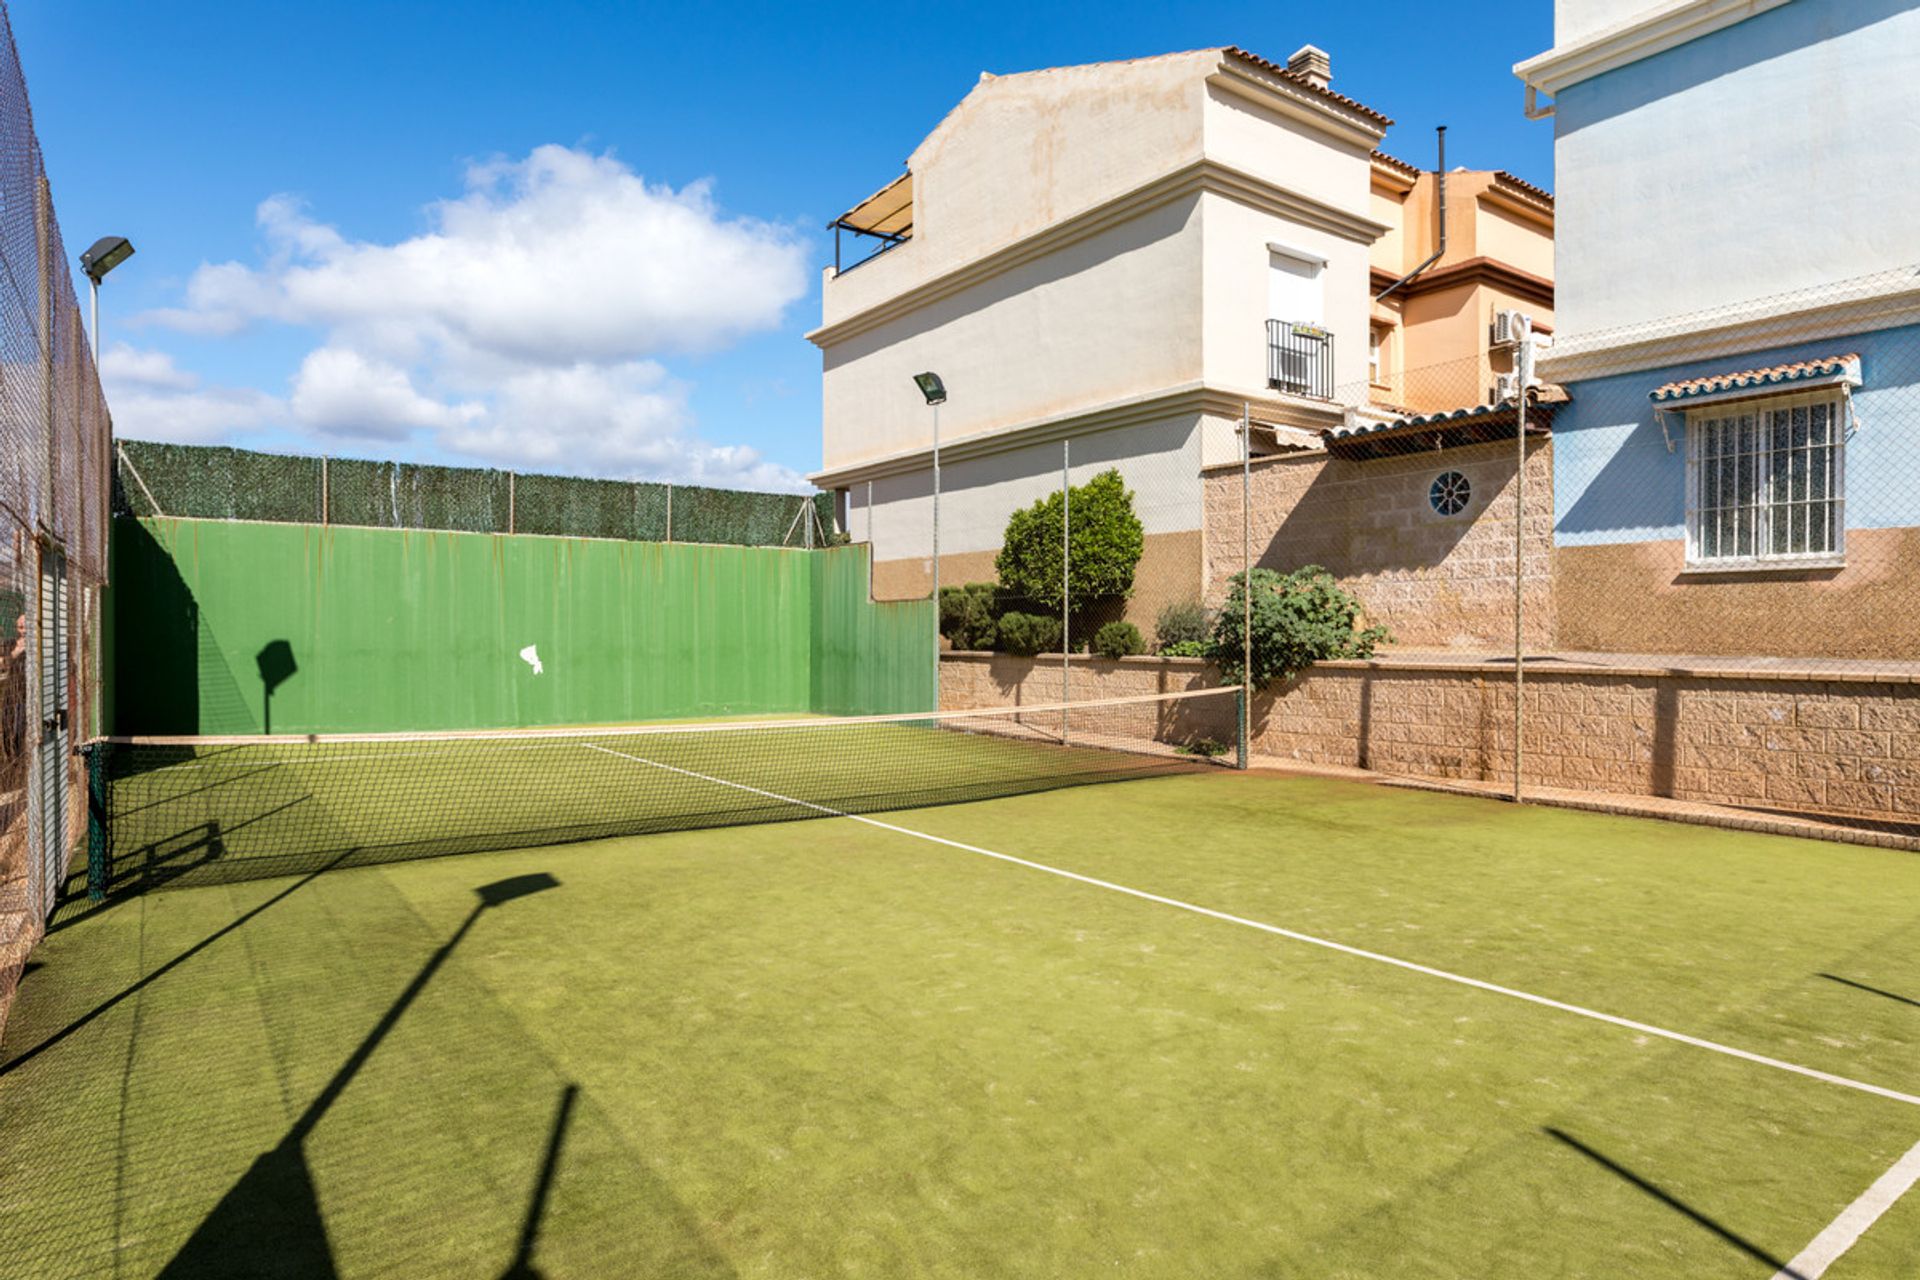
(270, 1222)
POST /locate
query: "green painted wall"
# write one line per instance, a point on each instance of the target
(376, 629)
(867, 658)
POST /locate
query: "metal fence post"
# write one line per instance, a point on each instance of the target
(936, 556)
(511, 496)
(1066, 581)
(1523, 367)
(669, 511)
(1246, 580)
(326, 494)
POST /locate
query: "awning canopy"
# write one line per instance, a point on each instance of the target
(1748, 383)
(1448, 429)
(888, 212)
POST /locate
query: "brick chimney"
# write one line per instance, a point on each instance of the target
(1311, 63)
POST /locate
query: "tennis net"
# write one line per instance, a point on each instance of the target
(173, 811)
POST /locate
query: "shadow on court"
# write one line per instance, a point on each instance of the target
(270, 1223)
(1861, 986)
(136, 987)
(522, 1268)
(1777, 1265)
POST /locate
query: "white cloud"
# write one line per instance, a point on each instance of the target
(626, 419)
(339, 392)
(561, 257)
(152, 398)
(526, 325)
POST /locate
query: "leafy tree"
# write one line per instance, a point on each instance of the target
(1299, 618)
(1104, 539)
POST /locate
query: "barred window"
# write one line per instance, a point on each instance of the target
(1765, 483)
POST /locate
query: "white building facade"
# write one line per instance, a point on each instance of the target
(1118, 257)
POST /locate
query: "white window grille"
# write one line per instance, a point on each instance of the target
(1766, 483)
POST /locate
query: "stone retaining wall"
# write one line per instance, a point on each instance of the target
(1801, 743)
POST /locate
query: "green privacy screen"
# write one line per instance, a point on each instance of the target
(213, 482)
(229, 627)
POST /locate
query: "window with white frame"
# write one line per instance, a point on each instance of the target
(1766, 482)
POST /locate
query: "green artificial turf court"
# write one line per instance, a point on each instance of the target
(833, 1048)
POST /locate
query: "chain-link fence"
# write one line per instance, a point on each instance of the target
(1673, 569)
(218, 483)
(53, 521)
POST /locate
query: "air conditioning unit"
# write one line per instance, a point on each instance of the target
(1506, 386)
(1507, 327)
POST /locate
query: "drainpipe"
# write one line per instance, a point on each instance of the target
(1440, 196)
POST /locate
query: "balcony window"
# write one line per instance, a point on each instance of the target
(1300, 358)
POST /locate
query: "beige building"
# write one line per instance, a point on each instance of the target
(1111, 262)
(1430, 342)
(1095, 253)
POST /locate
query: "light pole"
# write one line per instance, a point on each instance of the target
(936, 393)
(104, 255)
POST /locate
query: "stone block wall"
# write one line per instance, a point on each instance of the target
(1793, 742)
(1436, 582)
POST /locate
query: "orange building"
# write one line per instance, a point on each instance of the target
(1432, 344)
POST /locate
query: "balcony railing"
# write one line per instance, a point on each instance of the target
(1300, 358)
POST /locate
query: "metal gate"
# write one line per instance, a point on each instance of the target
(53, 769)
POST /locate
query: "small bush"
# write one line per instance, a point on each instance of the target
(1182, 623)
(1118, 640)
(1299, 618)
(1184, 649)
(966, 615)
(1029, 633)
(1208, 748)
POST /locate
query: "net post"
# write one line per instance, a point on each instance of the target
(669, 511)
(1242, 710)
(94, 756)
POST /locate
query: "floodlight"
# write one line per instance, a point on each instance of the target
(931, 387)
(106, 253)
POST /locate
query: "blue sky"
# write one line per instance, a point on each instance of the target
(362, 226)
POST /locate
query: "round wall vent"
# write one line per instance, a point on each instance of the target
(1449, 493)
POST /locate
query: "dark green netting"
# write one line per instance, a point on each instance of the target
(463, 498)
(575, 507)
(239, 484)
(214, 483)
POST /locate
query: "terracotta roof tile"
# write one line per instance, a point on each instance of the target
(1395, 162)
(1847, 366)
(1280, 69)
(1528, 187)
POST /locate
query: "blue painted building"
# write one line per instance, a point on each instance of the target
(1738, 325)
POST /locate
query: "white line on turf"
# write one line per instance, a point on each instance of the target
(1678, 1037)
(1812, 1262)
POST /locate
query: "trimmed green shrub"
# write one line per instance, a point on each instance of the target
(1184, 649)
(1105, 538)
(1118, 640)
(1208, 748)
(1181, 623)
(1299, 618)
(966, 615)
(1029, 633)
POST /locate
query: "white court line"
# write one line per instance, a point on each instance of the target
(1678, 1037)
(1812, 1262)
